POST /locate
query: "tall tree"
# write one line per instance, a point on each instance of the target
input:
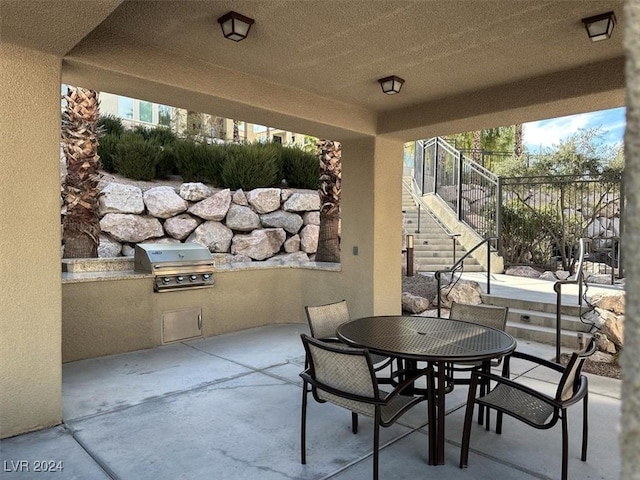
(236, 131)
(80, 132)
(330, 155)
(518, 141)
(477, 145)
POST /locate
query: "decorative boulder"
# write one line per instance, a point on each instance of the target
(195, 191)
(311, 218)
(464, 291)
(214, 207)
(292, 244)
(120, 198)
(108, 247)
(294, 257)
(259, 244)
(128, 251)
(302, 201)
(291, 222)
(264, 200)
(239, 198)
(242, 219)
(523, 271)
(612, 302)
(309, 238)
(181, 226)
(548, 276)
(413, 303)
(164, 202)
(213, 235)
(129, 228)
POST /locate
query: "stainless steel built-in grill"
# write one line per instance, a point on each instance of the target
(175, 266)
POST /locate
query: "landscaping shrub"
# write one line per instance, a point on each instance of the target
(136, 158)
(251, 166)
(162, 135)
(199, 162)
(300, 169)
(111, 125)
(107, 149)
(167, 162)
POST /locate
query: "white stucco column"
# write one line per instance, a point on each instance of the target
(630, 440)
(30, 280)
(372, 224)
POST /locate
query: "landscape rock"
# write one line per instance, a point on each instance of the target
(311, 218)
(226, 258)
(128, 250)
(523, 271)
(164, 202)
(108, 247)
(599, 279)
(213, 235)
(309, 238)
(242, 219)
(302, 201)
(264, 200)
(548, 275)
(292, 244)
(285, 258)
(291, 222)
(214, 207)
(169, 240)
(603, 344)
(126, 227)
(239, 198)
(119, 198)
(614, 302)
(413, 303)
(195, 191)
(464, 291)
(259, 244)
(181, 226)
(562, 274)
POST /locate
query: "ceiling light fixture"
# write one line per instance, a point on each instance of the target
(235, 26)
(600, 27)
(391, 85)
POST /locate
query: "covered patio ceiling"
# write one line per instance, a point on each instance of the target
(312, 66)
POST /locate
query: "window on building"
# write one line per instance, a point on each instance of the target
(146, 112)
(164, 115)
(277, 139)
(125, 107)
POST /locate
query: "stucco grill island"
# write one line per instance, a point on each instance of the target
(176, 267)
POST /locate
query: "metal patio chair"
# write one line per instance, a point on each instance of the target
(324, 321)
(344, 376)
(530, 406)
(487, 316)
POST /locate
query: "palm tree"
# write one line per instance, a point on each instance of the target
(517, 148)
(80, 132)
(330, 154)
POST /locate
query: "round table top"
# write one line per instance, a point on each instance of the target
(427, 338)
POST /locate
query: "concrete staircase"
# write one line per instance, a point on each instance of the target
(433, 248)
(535, 321)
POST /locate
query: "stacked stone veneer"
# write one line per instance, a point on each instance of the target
(236, 226)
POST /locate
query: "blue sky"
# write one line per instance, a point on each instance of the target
(546, 133)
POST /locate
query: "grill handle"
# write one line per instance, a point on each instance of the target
(200, 321)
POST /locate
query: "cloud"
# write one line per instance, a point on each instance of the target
(546, 133)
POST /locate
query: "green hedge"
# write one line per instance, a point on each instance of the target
(251, 166)
(300, 169)
(136, 158)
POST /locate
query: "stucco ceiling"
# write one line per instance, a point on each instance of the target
(309, 64)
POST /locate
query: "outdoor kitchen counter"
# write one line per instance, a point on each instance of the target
(105, 269)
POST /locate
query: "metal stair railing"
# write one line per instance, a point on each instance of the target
(557, 287)
(459, 266)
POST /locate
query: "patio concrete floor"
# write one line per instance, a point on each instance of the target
(228, 407)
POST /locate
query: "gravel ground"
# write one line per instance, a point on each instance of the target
(603, 369)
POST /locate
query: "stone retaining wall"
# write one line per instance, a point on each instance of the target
(236, 226)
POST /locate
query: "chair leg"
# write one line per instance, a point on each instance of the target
(466, 431)
(303, 426)
(565, 447)
(585, 425)
(354, 422)
(376, 443)
(431, 415)
(499, 423)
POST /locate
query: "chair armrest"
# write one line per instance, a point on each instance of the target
(409, 382)
(518, 386)
(538, 360)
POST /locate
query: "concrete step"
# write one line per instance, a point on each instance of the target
(424, 260)
(535, 306)
(424, 268)
(536, 333)
(544, 319)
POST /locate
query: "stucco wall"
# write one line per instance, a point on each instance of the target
(630, 439)
(30, 365)
(116, 316)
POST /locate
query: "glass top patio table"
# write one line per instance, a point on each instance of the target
(430, 339)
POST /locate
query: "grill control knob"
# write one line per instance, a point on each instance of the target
(166, 280)
(193, 278)
(206, 276)
(180, 278)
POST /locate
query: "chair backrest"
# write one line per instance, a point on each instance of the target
(324, 320)
(340, 370)
(570, 381)
(485, 315)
